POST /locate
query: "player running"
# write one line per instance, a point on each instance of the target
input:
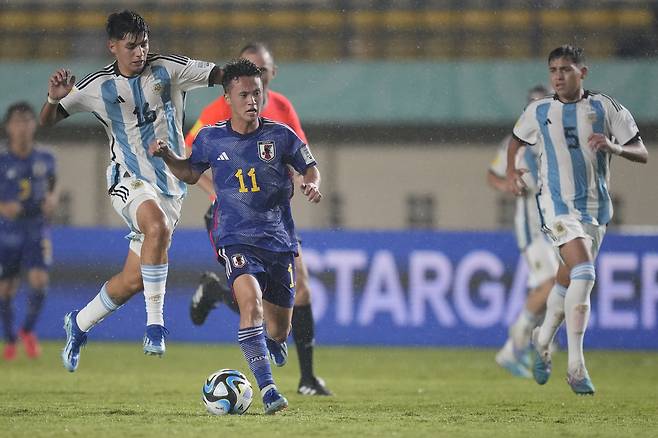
(578, 132)
(137, 98)
(254, 231)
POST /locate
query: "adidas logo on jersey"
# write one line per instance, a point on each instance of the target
(222, 157)
(120, 99)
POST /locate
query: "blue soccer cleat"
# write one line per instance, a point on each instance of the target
(274, 401)
(508, 360)
(278, 352)
(75, 339)
(580, 382)
(154, 340)
(541, 369)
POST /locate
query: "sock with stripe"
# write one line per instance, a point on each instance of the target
(554, 316)
(96, 310)
(252, 343)
(576, 311)
(155, 280)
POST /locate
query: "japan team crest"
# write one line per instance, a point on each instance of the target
(266, 150)
(238, 260)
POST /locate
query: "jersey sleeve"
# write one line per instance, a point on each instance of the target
(299, 155)
(499, 164)
(77, 101)
(189, 73)
(526, 128)
(199, 156)
(622, 125)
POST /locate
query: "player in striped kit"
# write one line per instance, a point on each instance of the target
(535, 248)
(578, 132)
(253, 231)
(136, 98)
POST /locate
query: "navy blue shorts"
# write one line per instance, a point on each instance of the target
(24, 250)
(275, 271)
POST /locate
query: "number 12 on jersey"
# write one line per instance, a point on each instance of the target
(254, 184)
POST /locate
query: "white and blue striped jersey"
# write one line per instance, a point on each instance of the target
(574, 179)
(137, 110)
(527, 224)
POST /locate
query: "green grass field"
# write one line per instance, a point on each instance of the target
(117, 391)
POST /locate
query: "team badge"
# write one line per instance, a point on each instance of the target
(136, 184)
(266, 150)
(238, 260)
(592, 117)
(157, 87)
(560, 229)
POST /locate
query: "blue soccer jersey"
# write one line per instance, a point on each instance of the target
(26, 180)
(252, 182)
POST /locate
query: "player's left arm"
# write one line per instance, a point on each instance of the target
(633, 150)
(181, 167)
(623, 128)
(311, 184)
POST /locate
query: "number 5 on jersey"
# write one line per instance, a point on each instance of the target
(254, 184)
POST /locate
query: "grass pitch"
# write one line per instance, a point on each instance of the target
(117, 391)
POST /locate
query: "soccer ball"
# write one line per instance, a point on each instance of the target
(227, 392)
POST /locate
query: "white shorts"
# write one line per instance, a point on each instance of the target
(565, 228)
(129, 193)
(542, 261)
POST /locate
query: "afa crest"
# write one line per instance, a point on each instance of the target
(238, 260)
(266, 150)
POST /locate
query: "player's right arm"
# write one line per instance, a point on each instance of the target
(60, 85)
(180, 167)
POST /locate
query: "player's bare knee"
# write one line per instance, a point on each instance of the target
(157, 231)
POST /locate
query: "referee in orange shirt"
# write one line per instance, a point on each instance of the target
(213, 290)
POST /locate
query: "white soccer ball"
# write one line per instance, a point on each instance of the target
(227, 392)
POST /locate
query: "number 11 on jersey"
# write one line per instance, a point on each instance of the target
(254, 184)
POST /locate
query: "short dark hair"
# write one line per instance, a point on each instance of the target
(19, 107)
(237, 69)
(576, 54)
(120, 24)
(255, 47)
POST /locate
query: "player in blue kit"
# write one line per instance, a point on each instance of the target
(578, 132)
(253, 233)
(27, 200)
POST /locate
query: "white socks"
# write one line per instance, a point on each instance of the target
(96, 310)
(155, 280)
(554, 316)
(520, 331)
(577, 310)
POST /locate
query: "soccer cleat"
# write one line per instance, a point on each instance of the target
(154, 340)
(9, 352)
(314, 386)
(75, 339)
(207, 296)
(274, 401)
(508, 360)
(580, 382)
(542, 367)
(30, 343)
(278, 352)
